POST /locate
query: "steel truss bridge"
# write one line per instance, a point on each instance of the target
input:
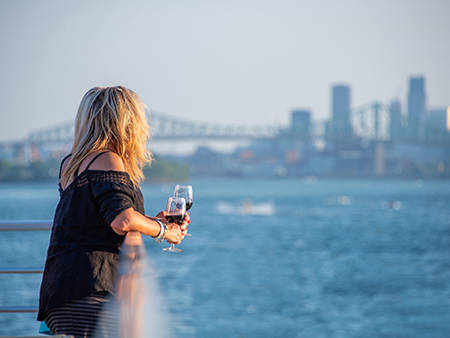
(367, 120)
(164, 128)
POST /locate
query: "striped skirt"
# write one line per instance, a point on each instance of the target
(87, 317)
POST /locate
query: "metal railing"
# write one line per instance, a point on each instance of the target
(54, 336)
(129, 280)
(27, 225)
(8, 271)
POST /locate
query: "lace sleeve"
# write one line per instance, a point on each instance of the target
(113, 192)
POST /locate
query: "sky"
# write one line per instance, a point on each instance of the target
(232, 62)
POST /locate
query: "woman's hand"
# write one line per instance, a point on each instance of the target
(173, 233)
(182, 226)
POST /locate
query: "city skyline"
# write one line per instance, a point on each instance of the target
(409, 116)
(204, 61)
(375, 140)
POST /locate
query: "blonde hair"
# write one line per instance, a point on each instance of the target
(110, 118)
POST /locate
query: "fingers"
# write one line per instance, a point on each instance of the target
(173, 234)
(176, 232)
(161, 214)
(184, 225)
(186, 221)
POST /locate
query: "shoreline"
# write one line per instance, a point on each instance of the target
(305, 179)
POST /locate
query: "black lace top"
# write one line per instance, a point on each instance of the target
(83, 253)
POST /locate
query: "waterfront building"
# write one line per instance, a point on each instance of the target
(301, 124)
(416, 108)
(341, 127)
(396, 123)
(436, 126)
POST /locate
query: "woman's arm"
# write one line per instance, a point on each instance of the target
(131, 220)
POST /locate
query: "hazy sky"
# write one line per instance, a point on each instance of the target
(247, 62)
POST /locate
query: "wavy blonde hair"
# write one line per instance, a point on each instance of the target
(110, 118)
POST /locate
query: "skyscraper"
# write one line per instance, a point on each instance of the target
(416, 107)
(301, 123)
(395, 120)
(435, 125)
(341, 125)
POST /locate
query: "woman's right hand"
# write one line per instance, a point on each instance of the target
(173, 233)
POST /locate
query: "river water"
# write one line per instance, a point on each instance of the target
(277, 258)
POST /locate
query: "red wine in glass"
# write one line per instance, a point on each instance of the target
(175, 218)
(175, 212)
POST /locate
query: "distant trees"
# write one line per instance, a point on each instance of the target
(161, 170)
(37, 170)
(164, 170)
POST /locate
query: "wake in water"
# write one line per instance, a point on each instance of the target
(246, 207)
(136, 311)
(339, 200)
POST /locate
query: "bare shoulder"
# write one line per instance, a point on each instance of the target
(64, 164)
(108, 161)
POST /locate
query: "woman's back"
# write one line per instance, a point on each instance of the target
(82, 256)
(100, 202)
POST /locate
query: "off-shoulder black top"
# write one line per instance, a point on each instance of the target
(83, 253)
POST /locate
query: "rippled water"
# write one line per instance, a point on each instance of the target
(334, 259)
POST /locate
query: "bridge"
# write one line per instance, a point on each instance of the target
(369, 122)
(166, 127)
(365, 119)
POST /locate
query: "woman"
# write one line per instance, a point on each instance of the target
(100, 202)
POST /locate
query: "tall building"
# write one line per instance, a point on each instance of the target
(416, 107)
(396, 130)
(301, 123)
(340, 112)
(436, 125)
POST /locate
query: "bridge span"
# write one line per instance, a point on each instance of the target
(365, 120)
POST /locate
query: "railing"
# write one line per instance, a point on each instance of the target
(129, 282)
(54, 336)
(44, 225)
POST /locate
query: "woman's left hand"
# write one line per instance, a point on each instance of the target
(183, 225)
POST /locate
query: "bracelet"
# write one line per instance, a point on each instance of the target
(162, 231)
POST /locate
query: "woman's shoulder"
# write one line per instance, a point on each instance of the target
(107, 167)
(106, 161)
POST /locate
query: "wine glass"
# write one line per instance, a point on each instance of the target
(175, 212)
(185, 191)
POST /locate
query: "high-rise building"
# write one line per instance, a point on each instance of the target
(301, 123)
(340, 112)
(396, 130)
(416, 107)
(436, 125)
